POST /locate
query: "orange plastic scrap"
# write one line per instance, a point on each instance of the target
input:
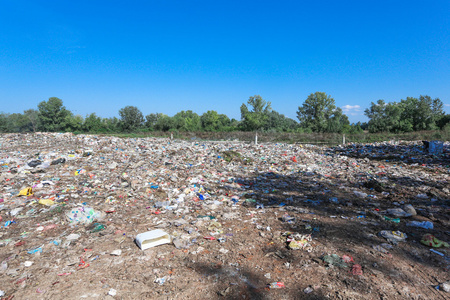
(26, 192)
(82, 264)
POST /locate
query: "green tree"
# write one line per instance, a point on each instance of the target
(233, 124)
(52, 115)
(3, 122)
(387, 117)
(164, 123)
(279, 123)
(422, 113)
(211, 121)
(152, 119)
(319, 114)
(257, 117)
(338, 121)
(131, 118)
(93, 123)
(73, 123)
(187, 121)
(16, 123)
(224, 120)
(353, 128)
(443, 121)
(32, 115)
(111, 124)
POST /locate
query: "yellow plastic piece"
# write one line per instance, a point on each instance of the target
(26, 192)
(48, 202)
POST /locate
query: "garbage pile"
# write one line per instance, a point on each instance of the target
(108, 217)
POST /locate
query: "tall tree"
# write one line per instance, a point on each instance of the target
(422, 113)
(187, 121)
(73, 123)
(224, 120)
(279, 122)
(319, 114)
(164, 123)
(32, 116)
(151, 119)
(338, 121)
(111, 124)
(3, 122)
(131, 118)
(211, 121)
(256, 117)
(93, 123)
(52, 114)
(17, 123)
(387, 117)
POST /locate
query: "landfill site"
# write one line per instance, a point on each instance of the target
(100, 217)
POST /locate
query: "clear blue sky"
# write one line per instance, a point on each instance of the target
(168, 56)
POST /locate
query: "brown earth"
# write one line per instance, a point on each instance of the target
(251, 202)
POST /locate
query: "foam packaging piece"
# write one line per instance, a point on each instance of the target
(152, 238)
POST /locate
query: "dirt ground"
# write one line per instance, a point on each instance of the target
(231, 209)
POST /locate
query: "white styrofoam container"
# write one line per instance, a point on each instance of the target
(152, 238)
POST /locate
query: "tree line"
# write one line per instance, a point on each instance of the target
(318, 113)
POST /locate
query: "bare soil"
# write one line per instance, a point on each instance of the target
(233, 242)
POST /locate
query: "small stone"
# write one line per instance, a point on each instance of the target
(112, 292)
(308, 290)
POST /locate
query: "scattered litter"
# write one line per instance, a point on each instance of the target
(224, 212)
(276, 285)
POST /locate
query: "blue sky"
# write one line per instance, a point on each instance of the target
(168, 56)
